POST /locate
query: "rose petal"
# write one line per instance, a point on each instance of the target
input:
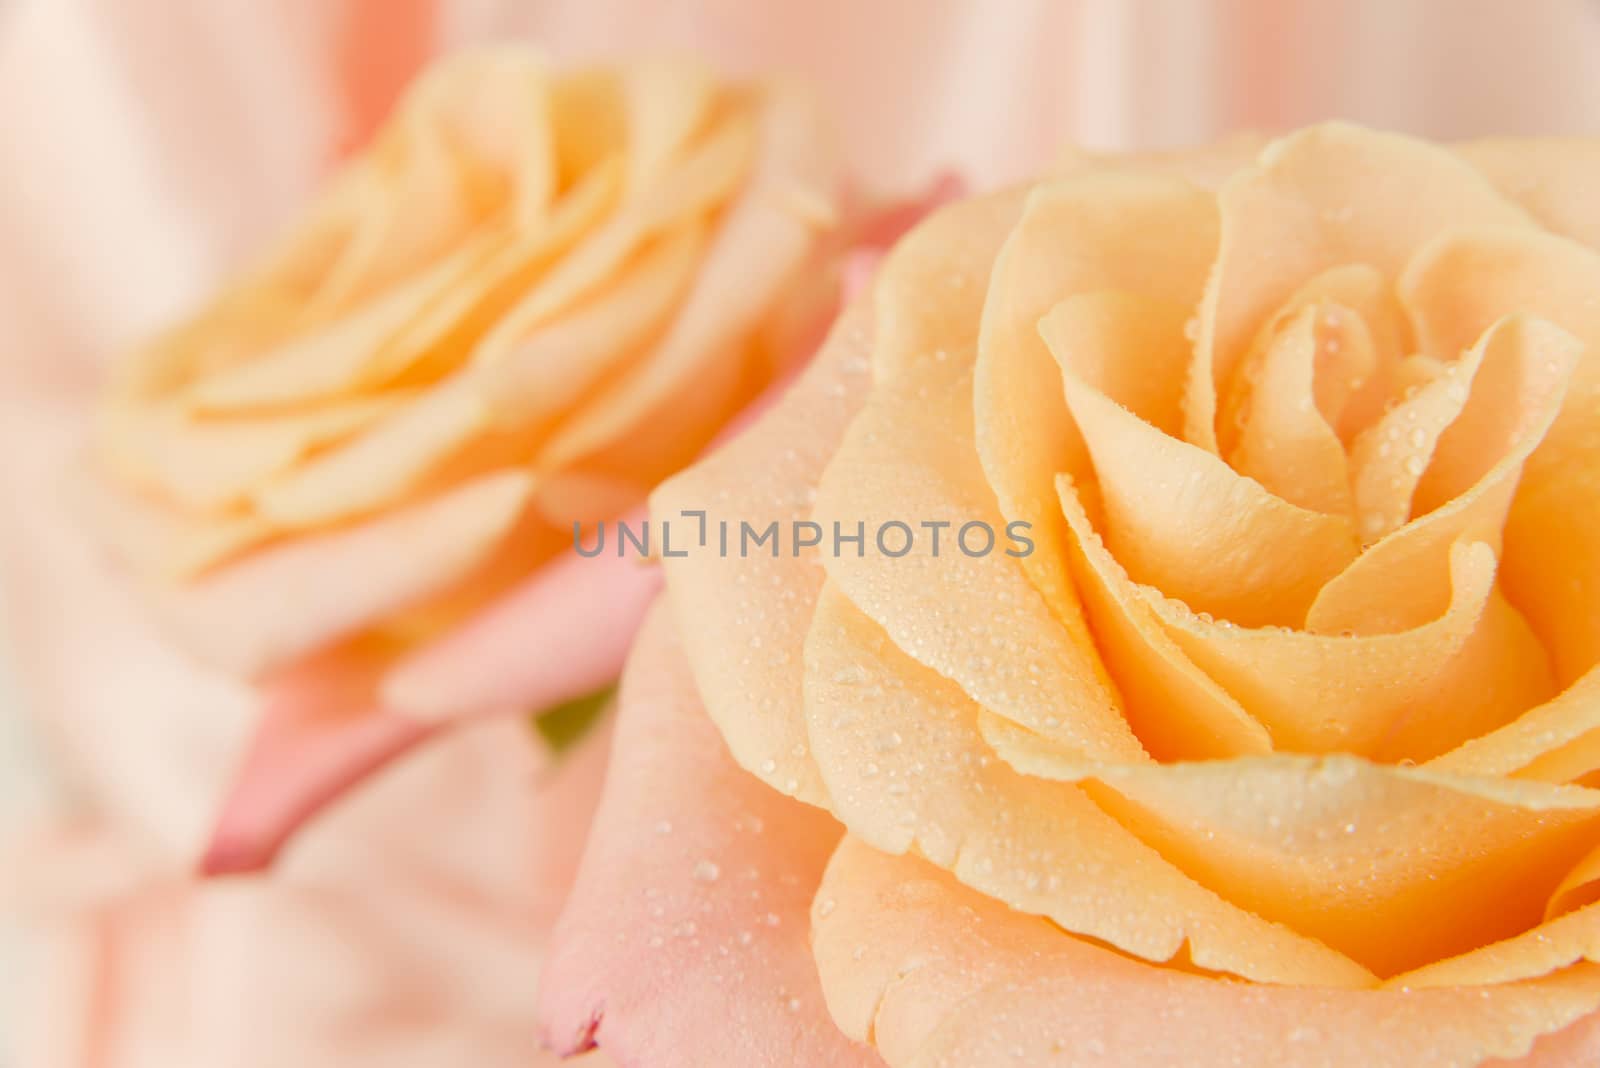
(284, 602)
(1470, 433)
(210, 465)
(937, 975)
(1176, 710)
(528, 378)
(1328, 846)
(1578, 1043)
(153, 539)
(1329, 195)
(1181, 520)
(1286, 442)
(320, 732)
(909, 458)
(1411, 694)
(1153, 236)
(561, 634)
(1552, 177)
(906, 769)
(1455, 289)
(1553, 742)
(1548, 948)
(691, 902)
(406, 931)
(766, 233)
(763, 476)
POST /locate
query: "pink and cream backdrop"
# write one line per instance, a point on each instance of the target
(148, 146)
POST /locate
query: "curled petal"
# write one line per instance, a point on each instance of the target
(1457, 287)
(907, 770)
(1329, 845)
(320, 732)
(1152, 236)
(1181, 520)
(988, 989)
(1330, 195)
(1459, 446)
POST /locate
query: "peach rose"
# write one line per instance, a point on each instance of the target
(1280, 744)
(355, 472)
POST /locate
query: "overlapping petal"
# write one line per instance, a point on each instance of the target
(938, 975)
(1291, 702)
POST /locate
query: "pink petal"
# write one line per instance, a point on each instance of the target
(321, 732)
(881, 227)
(561, 634)
(685, 939)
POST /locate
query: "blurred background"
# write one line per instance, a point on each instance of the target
(147, 146)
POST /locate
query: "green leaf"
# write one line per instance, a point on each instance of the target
(565, 725)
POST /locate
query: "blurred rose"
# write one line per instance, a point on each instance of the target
(353, 474)
(409, 927)
(1278, 747)
(532, 297)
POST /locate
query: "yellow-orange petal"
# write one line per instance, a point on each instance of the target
(1176, 710)
(908, 458)
(211, 464)
(379, 467)
(907, 770)
(1455, 288)
(1146, 234)
(1557, 741)
(1580, 888)
(665, 104)
(1468, 670)
(937, 976)
(1394, 866)
(1284, 438)
(743, 621)
(1554, 178)
(1546, 949)
(1181, 520)
(1368, 325)
(529, 378)
(1328, 195)
(422, 326)
(690, 382)
(1459, 447)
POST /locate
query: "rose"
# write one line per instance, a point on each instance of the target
(1279, 746)
(532, 297)
(353, 473)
